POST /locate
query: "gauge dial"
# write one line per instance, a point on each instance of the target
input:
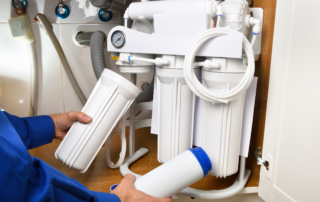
(117, 39)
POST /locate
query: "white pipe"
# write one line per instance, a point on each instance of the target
(253, 41)
(220, 15)
(242, 168)
(143, 60)
(36, 80)
(132, 130)
(218, 21)
(127, 58)
(200, 194)
(125, 18)
(47, 27)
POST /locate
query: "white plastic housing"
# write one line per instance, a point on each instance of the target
(221, 124)
(149, 8)
(171, 177)
(176, 111)
(234, 15)
(110, 99)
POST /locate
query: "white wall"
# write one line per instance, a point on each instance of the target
(58, 95)
(292, 132)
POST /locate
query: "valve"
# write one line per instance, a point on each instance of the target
(62, 11)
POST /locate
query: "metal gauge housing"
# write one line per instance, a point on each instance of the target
(118, 39)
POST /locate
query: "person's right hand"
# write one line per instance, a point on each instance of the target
(128, 193)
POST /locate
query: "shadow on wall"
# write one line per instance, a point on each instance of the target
(11, 98)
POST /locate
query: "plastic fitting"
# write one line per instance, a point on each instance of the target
(255, 22)
(125, 15)
(125, 57)
(208, 64)
(215, 7)
(161, 62)
(219, 11)
(125, 18)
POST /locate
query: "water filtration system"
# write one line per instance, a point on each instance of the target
(203, 64)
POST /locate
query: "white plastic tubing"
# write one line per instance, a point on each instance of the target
(36, 79)
(197, 87)
(47, 27)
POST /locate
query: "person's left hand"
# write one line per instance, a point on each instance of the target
(63, 122)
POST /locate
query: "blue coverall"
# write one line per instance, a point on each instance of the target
(27, 178)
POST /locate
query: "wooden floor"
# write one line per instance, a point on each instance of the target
(100, 177)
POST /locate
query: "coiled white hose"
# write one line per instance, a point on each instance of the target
(197, 87)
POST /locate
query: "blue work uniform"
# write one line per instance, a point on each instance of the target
(27, 178)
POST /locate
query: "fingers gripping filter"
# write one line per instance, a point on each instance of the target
(108, 102)
(176, 174)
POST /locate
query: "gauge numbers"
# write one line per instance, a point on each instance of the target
(117, 39)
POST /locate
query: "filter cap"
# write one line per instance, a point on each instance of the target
(203, 159)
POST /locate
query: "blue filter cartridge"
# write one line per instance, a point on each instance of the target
(176, 174)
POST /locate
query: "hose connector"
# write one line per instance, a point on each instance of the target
(256, 23)
(219, 11)
(127, 58)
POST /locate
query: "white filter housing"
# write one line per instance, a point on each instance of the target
(176, 112)
(221, 124)
(234, 12)
(110, 99)
(176, 174)
(148, 8)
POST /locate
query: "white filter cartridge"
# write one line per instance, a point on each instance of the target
(176, 174)
(176, 111)
(110, 99)
(147, 9)
(221, 124)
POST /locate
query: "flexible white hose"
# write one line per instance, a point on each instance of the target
(43, 21)
(197, 87)
(218, 21)
(253, 41)
(36, 80)
(143, 60)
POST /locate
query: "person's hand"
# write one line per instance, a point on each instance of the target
(128, 193)
(63, 122)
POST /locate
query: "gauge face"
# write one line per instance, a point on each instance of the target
(117, 39)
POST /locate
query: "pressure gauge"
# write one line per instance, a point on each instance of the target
(118, 39)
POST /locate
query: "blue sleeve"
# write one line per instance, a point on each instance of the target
(101, 197)
(29, 179)
(33, 131)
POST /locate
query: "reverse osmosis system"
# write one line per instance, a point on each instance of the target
(203, 64)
